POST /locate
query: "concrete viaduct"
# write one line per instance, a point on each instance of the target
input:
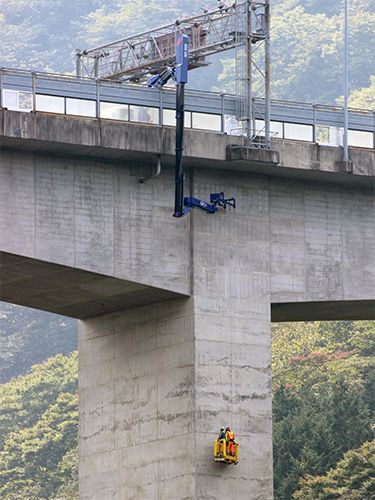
(174, 337)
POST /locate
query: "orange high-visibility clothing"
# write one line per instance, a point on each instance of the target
(229, 436)
(230, 440)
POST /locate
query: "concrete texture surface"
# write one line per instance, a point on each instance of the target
(171, 374)
(231, 285)
(137, 413)
(90, 137)
(323, 242)
(89, 215)
(208, 360)
(323, 310)
(93, 216)
(157, 379)
(70, 291)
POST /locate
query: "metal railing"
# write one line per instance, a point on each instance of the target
(238, 138)
(33, 91)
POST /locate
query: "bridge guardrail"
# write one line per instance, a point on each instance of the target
(23, 90)
(238, 138)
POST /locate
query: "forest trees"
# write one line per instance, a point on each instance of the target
(353, 478)
(28, 337)
(39, 427)
(306, 37)
(323, 404)
(364, 97)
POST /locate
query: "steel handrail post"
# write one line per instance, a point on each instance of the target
(1, 87)
(98, 98)
(267, 114)
(161, 120)
(314, 123)
(33, 86)
(346, 82)
(222, 113)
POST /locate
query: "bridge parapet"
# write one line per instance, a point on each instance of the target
(107, 139)
(22, 90)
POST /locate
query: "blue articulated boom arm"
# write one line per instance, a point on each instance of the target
(216, 200)
(159, 81)
(191, 202)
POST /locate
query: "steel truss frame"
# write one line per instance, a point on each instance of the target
(242, 25)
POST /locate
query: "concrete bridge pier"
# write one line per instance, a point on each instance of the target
(157, 381)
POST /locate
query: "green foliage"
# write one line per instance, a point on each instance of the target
(353, 478)
(23, 400)
(31, 455)
(28, 337)
(324, 405)
(38, 430)
(118, 19)
(324, 400)
(307, 50)
(304, 354)
(301, 43)
(364, 97)
(68, 472)
(41, 34)
(307, 41)
(312, 429)
(327, 38)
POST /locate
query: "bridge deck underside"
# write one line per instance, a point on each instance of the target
(82, 294)
(323, 310)
(70, 291)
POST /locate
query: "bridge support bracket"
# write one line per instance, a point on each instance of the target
(344, 166)
(254, 155)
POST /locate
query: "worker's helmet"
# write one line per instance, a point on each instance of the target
(221, 429)
(227, 429)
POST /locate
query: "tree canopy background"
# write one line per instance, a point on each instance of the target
(307, 41)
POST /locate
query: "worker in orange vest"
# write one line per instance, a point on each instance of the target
(229, 436)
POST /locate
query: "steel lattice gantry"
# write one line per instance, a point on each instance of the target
(242, 25)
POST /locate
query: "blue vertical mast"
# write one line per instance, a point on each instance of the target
(181, 75)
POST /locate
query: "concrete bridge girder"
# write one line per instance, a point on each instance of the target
(158, 378)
